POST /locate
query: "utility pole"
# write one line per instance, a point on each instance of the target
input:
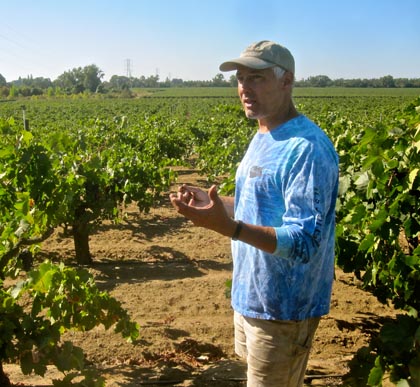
(128, 68)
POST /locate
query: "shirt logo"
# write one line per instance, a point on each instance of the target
(255, 171)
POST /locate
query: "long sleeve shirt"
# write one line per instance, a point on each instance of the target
(288, 179)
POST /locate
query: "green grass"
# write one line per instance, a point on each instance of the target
(184, 92)
(187, 92)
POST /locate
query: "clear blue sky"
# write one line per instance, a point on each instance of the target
(188, 39)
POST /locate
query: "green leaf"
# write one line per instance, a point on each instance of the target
(43, 280)
(412, 177)
(357, 213)
(412, 261)
(378, 168)
(380, 219)
(27, 137)
(367, 242)
(69, 357)
(26, 364)
(376, 374)
(392, 164)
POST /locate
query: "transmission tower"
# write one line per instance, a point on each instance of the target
(128, 68)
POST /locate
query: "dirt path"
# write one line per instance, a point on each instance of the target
(171, 277)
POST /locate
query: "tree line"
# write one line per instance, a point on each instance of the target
(90, 79)
(387, 81)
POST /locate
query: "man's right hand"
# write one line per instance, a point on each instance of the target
(193, 196)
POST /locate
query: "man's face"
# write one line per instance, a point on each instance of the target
(261, 92)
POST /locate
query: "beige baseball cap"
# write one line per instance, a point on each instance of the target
(262, 55)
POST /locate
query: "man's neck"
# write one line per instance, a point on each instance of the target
(268, 124)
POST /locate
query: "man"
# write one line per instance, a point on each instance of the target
(281, 222)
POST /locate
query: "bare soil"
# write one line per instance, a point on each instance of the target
(171, 277)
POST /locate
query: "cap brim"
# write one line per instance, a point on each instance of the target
(253, 63)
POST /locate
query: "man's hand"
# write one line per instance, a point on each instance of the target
(193, 196)
(204, 209)
(209, 210)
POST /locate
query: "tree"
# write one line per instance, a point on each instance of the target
(219, 80)
(31, 82)
(319, 81)
(80, 79)
(13, 92)
(387, 81)
(71, 81)
(4, 91)
(152, 81)
(233, 81)
(88, 173)
(118, 82)
(177, 82)
(92, 77)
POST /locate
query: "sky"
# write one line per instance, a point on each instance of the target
(188, 39)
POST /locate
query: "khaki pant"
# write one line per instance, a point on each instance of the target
(276, 352)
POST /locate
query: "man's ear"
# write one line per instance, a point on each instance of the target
(288, 79)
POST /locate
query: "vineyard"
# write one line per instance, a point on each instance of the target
(85, 227)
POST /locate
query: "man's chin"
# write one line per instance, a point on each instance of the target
(251, 114)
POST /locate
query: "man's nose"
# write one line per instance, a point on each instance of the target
(245, 84)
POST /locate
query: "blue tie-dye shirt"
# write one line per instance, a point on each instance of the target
(288, 179)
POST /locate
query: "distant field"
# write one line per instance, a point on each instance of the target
(187, 92)
(298, 92)
(355, 91)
